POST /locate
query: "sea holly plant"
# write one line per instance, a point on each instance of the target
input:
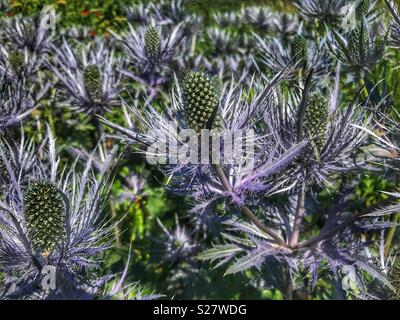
(301, 54)
(360, 48)
(25, 43)
(17, 101)
(88, 76)
(150, 51)
(51, 218)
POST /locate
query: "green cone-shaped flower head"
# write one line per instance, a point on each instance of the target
(45, 216)
(394, 278)
(152, 42)
(362, 9)
(359, 41)
(93, 82)
(16, 59)
(299, 49)
(316, 121)
(201, 93)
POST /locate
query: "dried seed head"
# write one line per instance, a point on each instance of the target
(394, 278)
(201, 93)
(362, 9)
(359, 41)
(152, 42)
(316, 121)
(93, 82)
(45, 216)
(299, 49)
(16, 59)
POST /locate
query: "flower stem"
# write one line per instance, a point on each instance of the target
(247, 211)
(294, 237)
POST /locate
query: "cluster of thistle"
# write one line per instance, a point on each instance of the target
(313, 109)
(315, 113)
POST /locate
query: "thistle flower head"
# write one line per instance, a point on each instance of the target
(201, 94)
(88, 76)
(362, 9)
(299, 48)
(152, 41)
(16, 59)
(316, 120)
(45, 216)
(358, 40)
(93, 82)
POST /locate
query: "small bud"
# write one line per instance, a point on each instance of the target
(16, 59)
(299, 49)
(201, 93)
(93, 82)
(152, 41)
(316, 121)
(45, 216)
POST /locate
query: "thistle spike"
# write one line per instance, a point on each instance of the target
(316, 121)
(152, 40)
(16, 59)
(201, 93)
(362, 9)
(359, 41)
(299, 49)
(93, 82)
(45, 216)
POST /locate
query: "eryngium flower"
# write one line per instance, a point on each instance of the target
(299, 49)
(45, 214)
(18, 63)
(201, 94)
(16, 59)
(333, 131)
(52, 217)
(93, 82)
(89, 78)
(360, 49)
(148, 48)
(328, 11)
(316, 121)
(300, 56)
